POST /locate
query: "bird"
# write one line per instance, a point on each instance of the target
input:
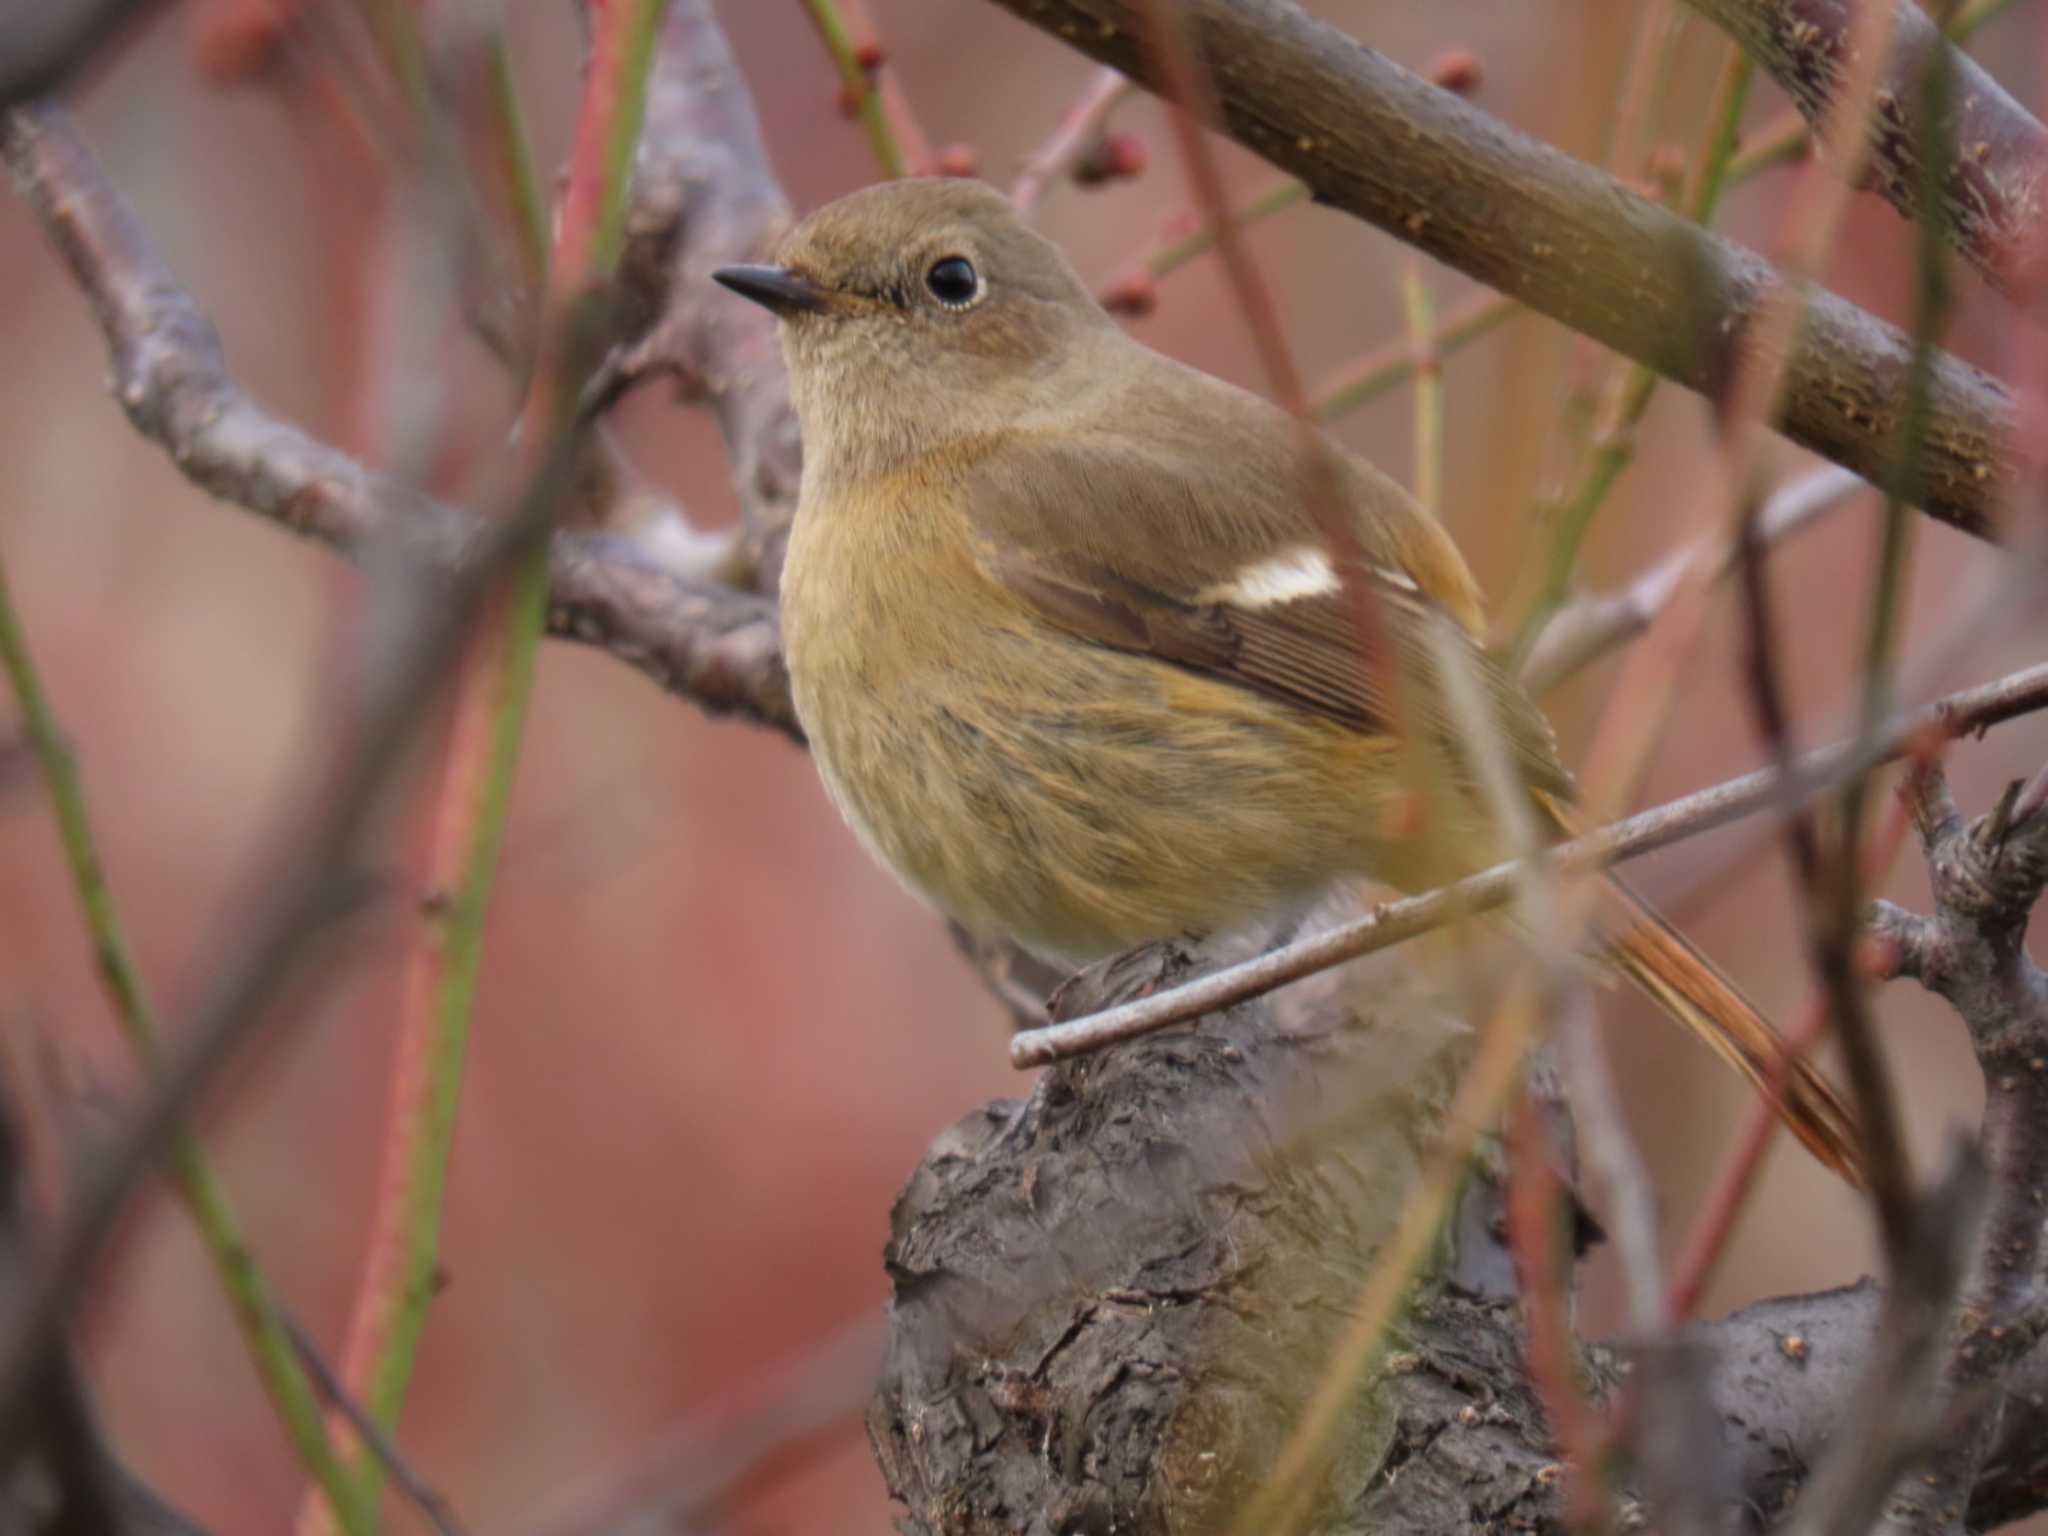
(1073, 654)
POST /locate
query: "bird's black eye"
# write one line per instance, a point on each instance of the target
(953, 282)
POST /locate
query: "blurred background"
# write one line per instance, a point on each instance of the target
(713, 1039)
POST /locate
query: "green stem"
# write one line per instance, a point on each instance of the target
(1429, 389)
(1976, 14)
(495, 689)
(248, 1290)
(1614, 445)
(1175, 254)
(516, 169)
(860, 89)
(1386, 367)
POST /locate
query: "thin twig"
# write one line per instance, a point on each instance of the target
(315, 882)
(1429, 389)
(1396, 361)
(1190, 105)
(1079, 127)
(481, 749)
(898, 146)
(404, 1476)
(1582, 632)
(691, 1473)
(1538, 1208)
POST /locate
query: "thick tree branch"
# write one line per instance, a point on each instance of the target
(1107, 1301)
(1561, 236)
(1991, 195)
(709, 643)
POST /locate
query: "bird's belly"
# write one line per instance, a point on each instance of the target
(1088, 803)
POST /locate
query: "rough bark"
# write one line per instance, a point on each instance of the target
(1996, 151)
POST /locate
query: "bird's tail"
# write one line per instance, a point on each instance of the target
(1692, 990)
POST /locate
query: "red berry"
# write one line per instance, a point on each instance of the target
(1459, 70)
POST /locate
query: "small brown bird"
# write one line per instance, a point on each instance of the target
(1072, 653)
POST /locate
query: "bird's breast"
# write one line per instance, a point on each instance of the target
(1029, 783)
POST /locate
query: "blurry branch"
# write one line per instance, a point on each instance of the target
(436, 1510)
(71, 1484)
(1393, 922)
(317, 879)
(1583, 631)
(1561, 236)
(318, 876)
(898, 149)
(1567, 518)
(689, 1476)
(250, 1295)
(1990, 193)
(479, 752)
(707, 643)
(704, 196)
(1079, 130)
(42, 45)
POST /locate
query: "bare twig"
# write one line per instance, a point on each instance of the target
(1079, 127)
(899, 147)
(704, 196)
(1394, 922)
(251, 1297)
(479, 751)
(688, 1475)
(404, 1476)
(316, 881)
(1582, 632)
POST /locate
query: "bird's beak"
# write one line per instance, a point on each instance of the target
(776, 288)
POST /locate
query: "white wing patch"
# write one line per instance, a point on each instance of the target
(1293, 574)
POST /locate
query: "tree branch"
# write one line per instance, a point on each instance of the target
(1991, 195)
(1561, 236)
(42, 46)
(704, 196)
(712, 644)
(1106, 1302)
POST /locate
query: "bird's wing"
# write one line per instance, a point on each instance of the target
(1162, 554)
